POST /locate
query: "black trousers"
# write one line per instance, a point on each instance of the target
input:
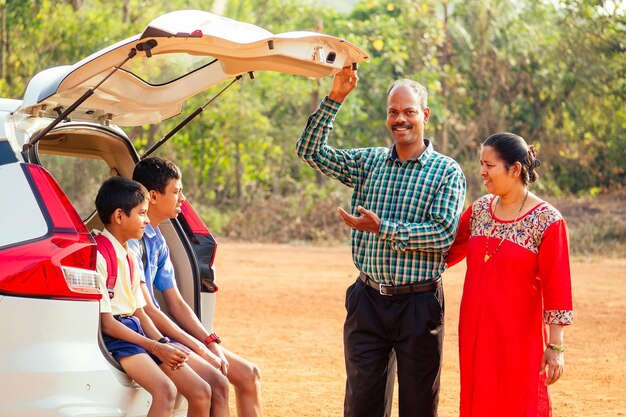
(411, 325)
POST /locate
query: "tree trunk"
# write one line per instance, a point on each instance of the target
(446, 54)
(313, 103)
(77, 4)
(238, 174)
(4, 46)
(315, 100)
(152, 134)
(126, 11)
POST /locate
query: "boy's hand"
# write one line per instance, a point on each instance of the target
(217, 351)
(209, 356)
(170, 354)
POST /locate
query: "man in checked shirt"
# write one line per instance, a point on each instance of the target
(406, 205)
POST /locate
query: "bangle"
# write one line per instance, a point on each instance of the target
(556, 348)
(212, 338)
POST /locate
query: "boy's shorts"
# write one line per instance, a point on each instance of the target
(122, 348)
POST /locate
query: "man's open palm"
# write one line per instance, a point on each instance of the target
(368, 221)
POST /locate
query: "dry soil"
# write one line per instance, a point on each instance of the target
(282, 306)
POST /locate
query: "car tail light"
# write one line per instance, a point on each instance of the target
(62, 264)
(203, 244)
(196, 226)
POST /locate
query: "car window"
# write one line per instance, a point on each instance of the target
(79, 177)
(162, 69)
(20, 216)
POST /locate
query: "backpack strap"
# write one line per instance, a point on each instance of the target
(105, 247)
(131, 268)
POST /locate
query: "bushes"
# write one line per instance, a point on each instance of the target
(597, 224)
(308, 217)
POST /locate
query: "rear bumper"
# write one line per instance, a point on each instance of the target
(52, 364)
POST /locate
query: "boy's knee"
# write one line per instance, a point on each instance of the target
(165, 393)
(250, 381)
(206, 391)
(220, 388)
(255, 375)
(202, 393)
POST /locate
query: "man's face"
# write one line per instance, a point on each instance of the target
(169, 203)
(405, 116)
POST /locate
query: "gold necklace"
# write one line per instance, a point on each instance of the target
(487, 255)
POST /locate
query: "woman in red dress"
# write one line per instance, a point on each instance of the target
(517, 293)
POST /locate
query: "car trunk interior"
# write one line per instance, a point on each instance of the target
(116, 152)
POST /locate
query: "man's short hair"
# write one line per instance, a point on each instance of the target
(418, 88)
(154, 173)
(119, 193)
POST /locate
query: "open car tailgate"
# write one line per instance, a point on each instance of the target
(177, 56)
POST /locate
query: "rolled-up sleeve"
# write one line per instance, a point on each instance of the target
(437, 233)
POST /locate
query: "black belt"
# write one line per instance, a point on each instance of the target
(387, 289)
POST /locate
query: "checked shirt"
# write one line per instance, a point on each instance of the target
(419, 201)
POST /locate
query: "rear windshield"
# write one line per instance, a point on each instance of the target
(162, 69)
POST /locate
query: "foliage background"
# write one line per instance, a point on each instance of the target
(553, 71)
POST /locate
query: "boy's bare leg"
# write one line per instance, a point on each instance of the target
(246, 379)
(147, 373)
(212, 376)
(195, 389)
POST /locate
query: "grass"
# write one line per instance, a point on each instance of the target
(597, 224)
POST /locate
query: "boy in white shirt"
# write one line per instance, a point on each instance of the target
(128, 333)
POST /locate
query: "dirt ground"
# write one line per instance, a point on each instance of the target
(281, 306)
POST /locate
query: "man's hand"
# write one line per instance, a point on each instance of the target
(367, 222)
(344, 82)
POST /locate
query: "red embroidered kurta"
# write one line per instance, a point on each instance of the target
(507, 303)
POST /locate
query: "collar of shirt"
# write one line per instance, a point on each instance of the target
(120, 252)
(154, 238)
(158, 268)
(422, 159)
(150, 232)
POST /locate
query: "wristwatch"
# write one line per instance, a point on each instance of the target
(164, 339)
(212, 338)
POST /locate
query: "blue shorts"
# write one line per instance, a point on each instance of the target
(122, 348)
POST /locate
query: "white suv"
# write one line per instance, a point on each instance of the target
(56, 147)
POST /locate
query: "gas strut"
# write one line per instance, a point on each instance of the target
(191, 117)
(143, 46)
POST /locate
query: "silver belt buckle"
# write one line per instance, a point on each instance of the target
(382, 291)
